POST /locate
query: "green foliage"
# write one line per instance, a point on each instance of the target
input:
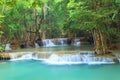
(1, 20)
(1, 48)
(117, 1)
(13, 22)
(87, 15)
(62, 16)
(55, 19)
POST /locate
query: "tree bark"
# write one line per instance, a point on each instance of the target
(100, 42)
(45, 11)
(44, 34)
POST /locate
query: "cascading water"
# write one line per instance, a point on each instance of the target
(78, 59)
(51, 58)
(36, 45)
(77, 42)
(48, 43)
(53, 42)
(62, 41)
(21, 56)
(28, 56)
(59, 42)
(7, 47)
(118, 56)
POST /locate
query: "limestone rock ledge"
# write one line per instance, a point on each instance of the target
(5, 56)
(50, 57)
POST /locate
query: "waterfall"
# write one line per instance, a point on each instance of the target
(58, 59)
(36, 45)
(63, 41)
(78, 59)
(59, 42)
(118, 56)
(76, 42)
(48, 43)
(23, 56)
(7, 47)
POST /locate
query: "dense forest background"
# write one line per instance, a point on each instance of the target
(25, 21)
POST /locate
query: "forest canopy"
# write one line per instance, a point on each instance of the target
(29, 20)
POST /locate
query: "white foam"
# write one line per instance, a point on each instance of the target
(48, 43)
(71, 63)
(7, 47)
(77, 59)
(36, 45)
(64, 59)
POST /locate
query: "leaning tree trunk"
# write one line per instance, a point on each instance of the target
(100, 42)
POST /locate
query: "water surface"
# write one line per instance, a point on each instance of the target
(37, 70)
(58, 48)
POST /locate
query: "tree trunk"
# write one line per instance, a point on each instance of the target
(44, 34)
(100, 42)
(45, 10)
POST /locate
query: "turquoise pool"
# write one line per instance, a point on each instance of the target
(37, 70)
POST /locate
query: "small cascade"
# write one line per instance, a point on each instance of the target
(48, 43)
(117, 56)
(36, 45)
(63, 42)
(23, 56)
(15, 57)
(76, 42)
(78, 59)
(29, 56)
(55, 42)
(58, 59)
(7, 47)
(60, 42)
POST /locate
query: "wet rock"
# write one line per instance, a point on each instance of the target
(4, 56)
(69, 41)
(116, 60)
(22, 46)
(39, 42)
